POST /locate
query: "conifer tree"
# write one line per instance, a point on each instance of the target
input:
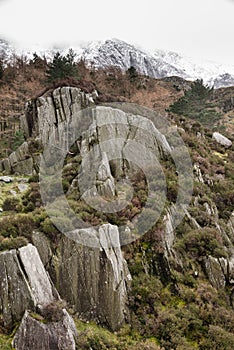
(62, 67)
(1, 69)
(196, 104)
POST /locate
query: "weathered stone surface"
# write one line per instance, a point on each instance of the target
(94, 280)
(224, 141)
(18, 161)
(44, 115)
(15, 294)
(24, 283)
(25, 167)
(33, 334)
(129, 141)
(38, 279)
(6, 165)
(220, 271)
(105, 181)
(42, 244)
(21, 153)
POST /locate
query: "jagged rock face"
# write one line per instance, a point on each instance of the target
(24, 283)
(115, 132)
(46, 113)
(94, 280)
(33, 334)
(43, 116)
(220, 271)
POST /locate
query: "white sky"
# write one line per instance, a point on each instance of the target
(201, 28)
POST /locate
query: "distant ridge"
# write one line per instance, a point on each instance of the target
(159, 64)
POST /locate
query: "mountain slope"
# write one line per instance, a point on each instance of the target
(120, 54)
(212, 73)
(159, 64)
(181, 294)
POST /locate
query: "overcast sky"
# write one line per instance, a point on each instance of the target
(201, 28)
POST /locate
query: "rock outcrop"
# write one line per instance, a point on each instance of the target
(220, 271)
(19, 161)
(34, 334)
(45, 114)
(41, 119)
(25, 284)
(94, 280)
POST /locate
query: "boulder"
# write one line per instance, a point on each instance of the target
(6, 179)
(6, 166)
(222, 140)
(23, 187)
(36, 335)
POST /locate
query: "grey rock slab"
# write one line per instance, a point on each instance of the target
(95, 280)
(37, 276)
(33, 334)
(24, 283)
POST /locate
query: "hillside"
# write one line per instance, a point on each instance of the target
(119, 54)
(79, 239)
(24, 78)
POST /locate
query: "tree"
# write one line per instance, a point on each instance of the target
(195, 104)
(132, 73)
(62, 67)
(18, 139)
(1, 69)
(193, 99)
(38, 61)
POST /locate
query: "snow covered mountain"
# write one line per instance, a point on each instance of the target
(6, 50)
(213, 73)
(159, 64)
(120, 54)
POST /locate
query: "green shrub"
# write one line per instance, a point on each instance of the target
(195, 105)
(217, 339)
(19, 225)
(202, 242)
(5, 342)
(12, 204)
(18, 139)
(32, 198)
(12, 243)
(53, 312)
